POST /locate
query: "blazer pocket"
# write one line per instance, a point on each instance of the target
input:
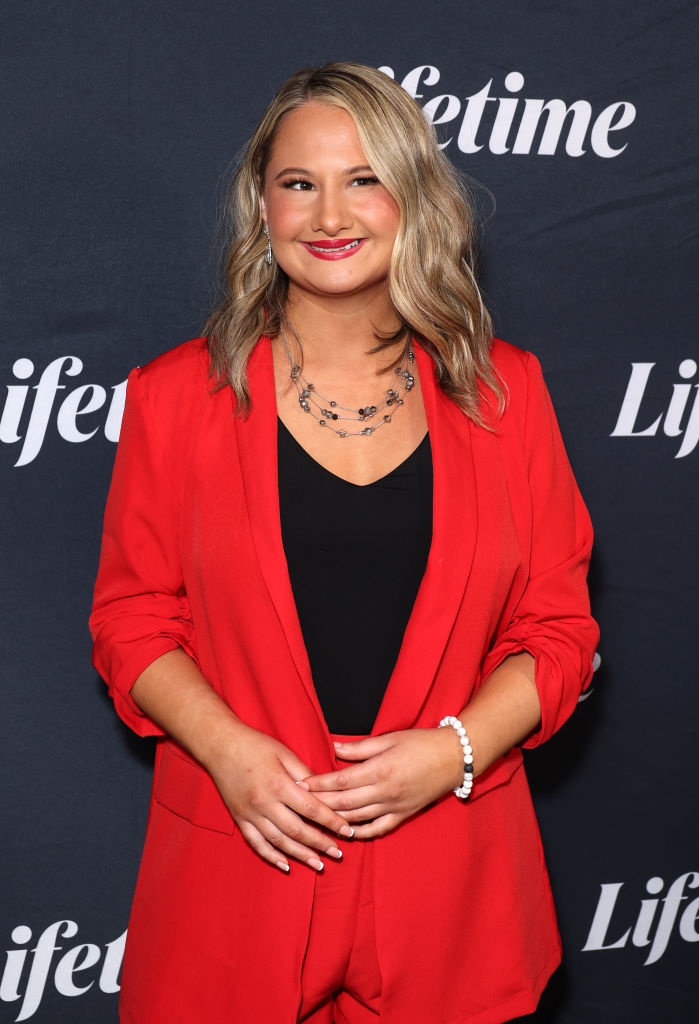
(187, 789)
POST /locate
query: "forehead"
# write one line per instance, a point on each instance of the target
(314, 130)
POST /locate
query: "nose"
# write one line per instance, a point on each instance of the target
(331, 214)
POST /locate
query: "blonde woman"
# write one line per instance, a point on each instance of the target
(343, 580)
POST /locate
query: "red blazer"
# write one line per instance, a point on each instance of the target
(192, 556)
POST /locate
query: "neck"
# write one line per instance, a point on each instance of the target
(341, 331)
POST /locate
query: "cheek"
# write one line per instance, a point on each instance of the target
(283, 214)
(386, 215)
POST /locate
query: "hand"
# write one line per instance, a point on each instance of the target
(400, 773)
(257, 778)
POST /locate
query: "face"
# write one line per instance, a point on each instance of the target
(332, 224)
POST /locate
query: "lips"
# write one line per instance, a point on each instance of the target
(334, 248)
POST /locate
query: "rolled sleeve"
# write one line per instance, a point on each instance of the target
(140, 608)
(552, 619)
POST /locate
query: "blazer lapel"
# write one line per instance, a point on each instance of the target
(449, 563)
(257, 446)
(451, 553)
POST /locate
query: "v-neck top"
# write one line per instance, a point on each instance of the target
(356, 557)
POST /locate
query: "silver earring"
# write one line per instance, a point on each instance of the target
(268, 254)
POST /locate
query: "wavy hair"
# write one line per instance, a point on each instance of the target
(431, 278)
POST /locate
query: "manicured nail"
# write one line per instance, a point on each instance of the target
(317, 864)
(334, 852)
(282, 865)
(346, 830)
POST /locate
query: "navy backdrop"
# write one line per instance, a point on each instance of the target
(119, 124)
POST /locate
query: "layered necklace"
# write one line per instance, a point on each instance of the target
(327, 412)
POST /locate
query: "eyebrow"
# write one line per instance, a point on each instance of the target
(302, 170)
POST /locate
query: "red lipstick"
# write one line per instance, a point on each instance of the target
(334, 248)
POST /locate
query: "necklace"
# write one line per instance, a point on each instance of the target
(330, 412)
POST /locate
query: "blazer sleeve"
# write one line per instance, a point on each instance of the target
(552, 619)
(140, 609)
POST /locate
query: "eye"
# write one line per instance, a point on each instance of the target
(367, 180)
(300, 184)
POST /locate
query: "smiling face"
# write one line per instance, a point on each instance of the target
(332, 224)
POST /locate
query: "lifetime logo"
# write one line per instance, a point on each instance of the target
(646, 931)
(631, 422)
(75, 413)
(491, 119)
(71, 972)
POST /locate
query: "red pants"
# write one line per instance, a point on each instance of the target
(340, 979)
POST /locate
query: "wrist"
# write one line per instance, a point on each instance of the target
(223, 740)
(450, 722)
(453, 757)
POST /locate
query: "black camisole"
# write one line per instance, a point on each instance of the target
(356, 556)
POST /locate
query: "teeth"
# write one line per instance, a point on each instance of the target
(342, 248)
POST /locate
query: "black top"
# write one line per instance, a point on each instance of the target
(356, 557)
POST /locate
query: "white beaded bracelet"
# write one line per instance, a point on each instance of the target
(464, 790)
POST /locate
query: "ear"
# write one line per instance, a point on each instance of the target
(263, 208)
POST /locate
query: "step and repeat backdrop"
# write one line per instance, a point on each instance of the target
(576, 123)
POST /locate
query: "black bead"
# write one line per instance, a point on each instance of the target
(360, 411)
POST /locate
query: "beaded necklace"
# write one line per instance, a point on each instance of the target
(330, 411)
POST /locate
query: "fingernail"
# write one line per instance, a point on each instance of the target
(334, 852)
(337, 743)
(347, 831)
(317, 864)
(282, 865)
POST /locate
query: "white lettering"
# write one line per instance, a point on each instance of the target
(41, 963)
(14, 404)
(451, 107)
(475, 107)
(116, 412)
(598, 937)
(446, 107)
(556, 112)
(679, 403)
(630, 407)
(602, 919)
(109, 978)
(73, 961)
(599, 137)
(67, 419)
(78, 403)
(9, 986)
(668, 916)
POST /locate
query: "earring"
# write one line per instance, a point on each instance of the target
(268, 254)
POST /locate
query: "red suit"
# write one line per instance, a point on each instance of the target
(192, 556)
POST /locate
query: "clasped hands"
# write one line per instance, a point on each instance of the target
(394, 777)
(283, 811)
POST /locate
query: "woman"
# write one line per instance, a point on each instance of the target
(344, 519)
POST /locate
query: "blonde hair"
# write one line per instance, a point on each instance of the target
(431, 280)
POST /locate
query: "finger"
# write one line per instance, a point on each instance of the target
(294, 765)
(379, 827)
(290, 835)
(343, 779)
(351, 800)
(358, 750)
(261, 846)
(365, 814)
(307, 805)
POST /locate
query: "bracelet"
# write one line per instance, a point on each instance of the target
(464, 790)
